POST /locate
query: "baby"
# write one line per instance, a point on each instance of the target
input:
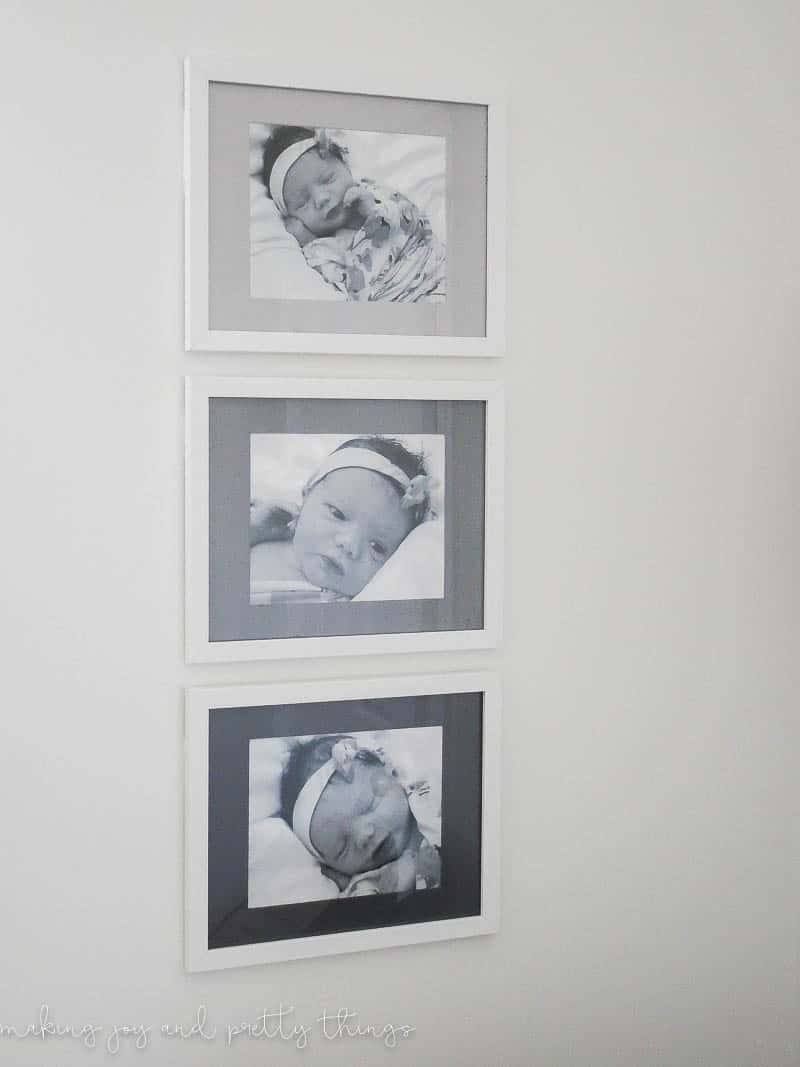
(369, 243)
(357, 509)
(369, 833)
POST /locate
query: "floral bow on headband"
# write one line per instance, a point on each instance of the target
(343, 754)
(419, 491)
(327, 138)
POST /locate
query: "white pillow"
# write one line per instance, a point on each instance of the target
(278, 268)
(415, 571)
(281, 870)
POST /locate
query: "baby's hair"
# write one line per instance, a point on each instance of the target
(280, 139)
(305, 758)
(410, 463)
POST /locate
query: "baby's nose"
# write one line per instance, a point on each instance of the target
(348, 540)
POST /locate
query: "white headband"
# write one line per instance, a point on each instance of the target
(343, 754)
(280, 168)
(307, 800)
(361, 457)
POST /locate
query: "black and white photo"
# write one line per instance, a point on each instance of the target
(332, 516)
(347, 215)
(326, 218)
(334, 816)
(343, 517)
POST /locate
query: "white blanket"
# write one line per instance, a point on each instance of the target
(415, 571)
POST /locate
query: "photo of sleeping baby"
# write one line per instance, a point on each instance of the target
(344, 815)
(347, 215)
(346, 517)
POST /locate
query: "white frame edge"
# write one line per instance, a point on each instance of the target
(200, 701)
(198, 74)
(199, 649)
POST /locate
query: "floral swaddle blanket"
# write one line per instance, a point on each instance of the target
(394, 256)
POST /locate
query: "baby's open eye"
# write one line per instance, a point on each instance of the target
(378, 548)
(335, 512)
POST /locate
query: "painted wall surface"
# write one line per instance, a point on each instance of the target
(650, 788)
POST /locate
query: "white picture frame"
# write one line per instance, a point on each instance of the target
(200, 74)
(202, 703)
(200, 391)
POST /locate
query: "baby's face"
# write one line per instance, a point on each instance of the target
(350, 524)
(314, 189)
(362, 824)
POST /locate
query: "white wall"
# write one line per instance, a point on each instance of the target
(650, 772)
